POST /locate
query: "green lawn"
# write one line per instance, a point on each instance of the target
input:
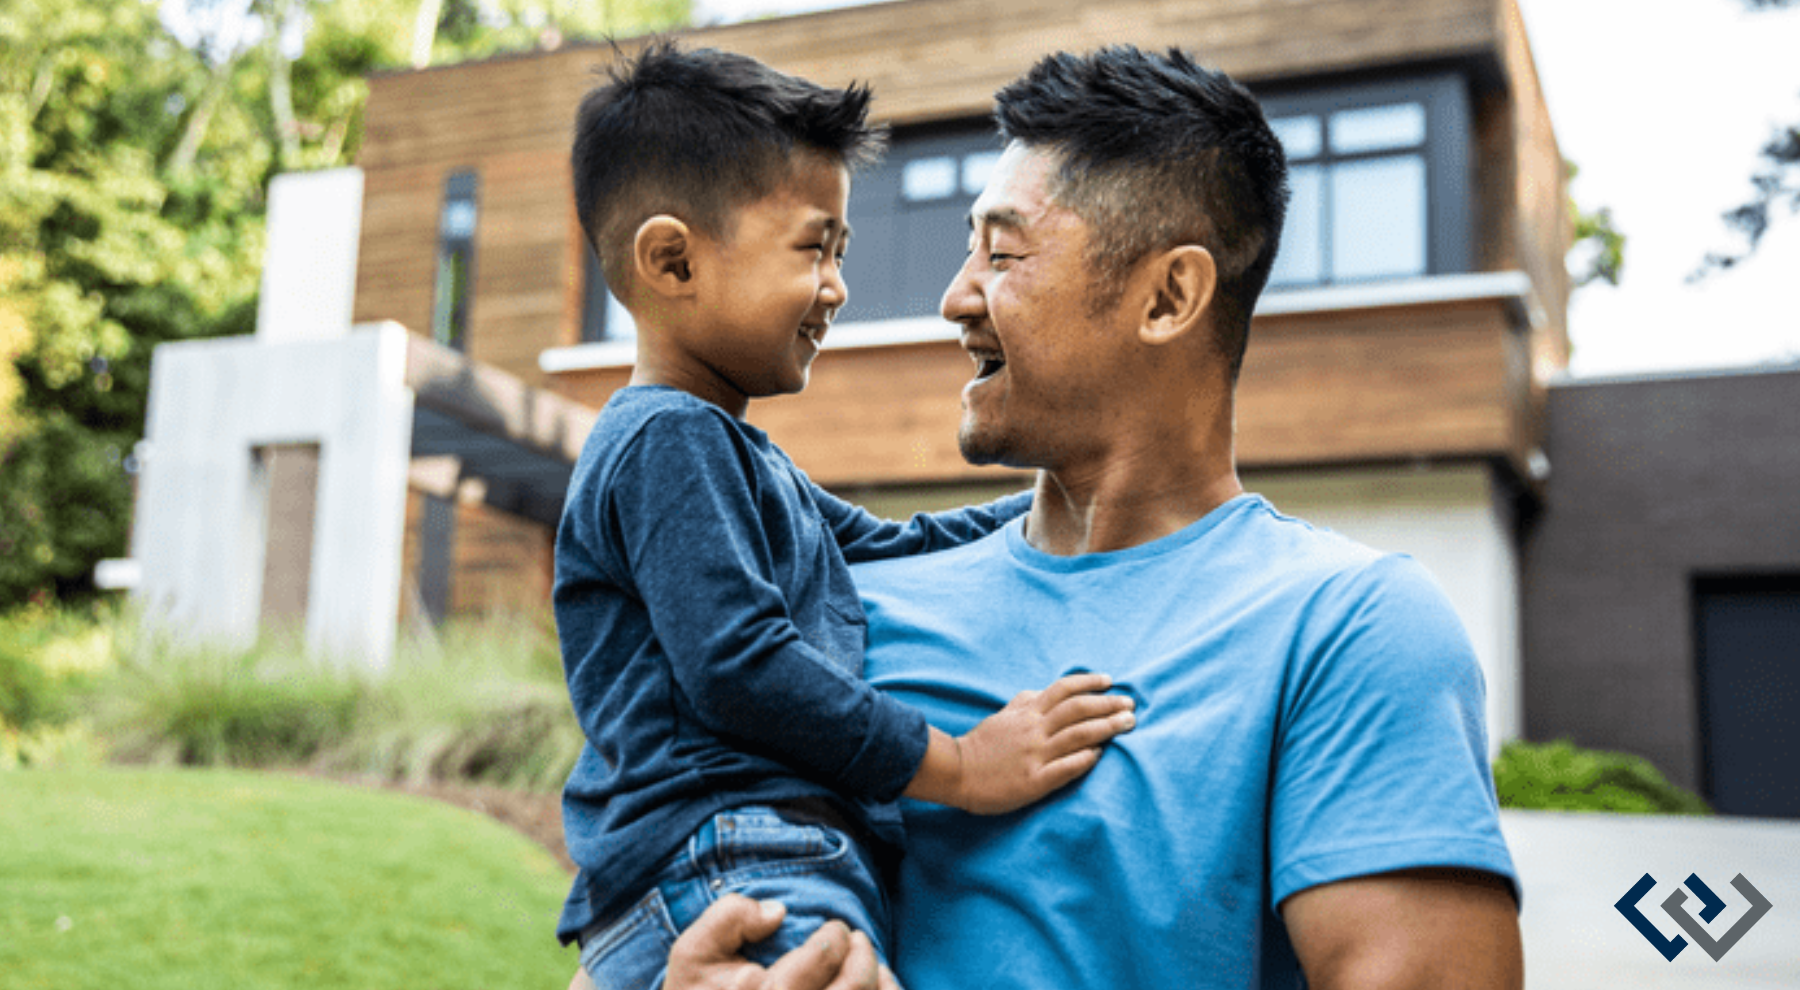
(197, 879)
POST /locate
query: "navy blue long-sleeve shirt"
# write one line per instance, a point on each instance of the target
(713, 641)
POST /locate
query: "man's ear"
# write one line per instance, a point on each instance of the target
(662, 254)
(1183, 280)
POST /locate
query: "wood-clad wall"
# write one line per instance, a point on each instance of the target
(1383, 384)
(510, 119)
(1543, 231)
(502, 563)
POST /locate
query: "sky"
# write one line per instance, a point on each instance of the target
(1664, 106)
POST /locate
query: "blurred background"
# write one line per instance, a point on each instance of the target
(300, 338)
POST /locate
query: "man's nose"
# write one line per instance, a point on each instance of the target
(963, 302)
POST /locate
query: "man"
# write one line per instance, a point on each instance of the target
(1307, 790)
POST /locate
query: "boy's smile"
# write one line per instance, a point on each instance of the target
(767, 292)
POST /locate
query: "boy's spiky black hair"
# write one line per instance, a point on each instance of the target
(697, 134)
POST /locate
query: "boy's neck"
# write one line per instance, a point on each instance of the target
(684, 377)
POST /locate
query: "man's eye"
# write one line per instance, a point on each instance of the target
(1000, 260)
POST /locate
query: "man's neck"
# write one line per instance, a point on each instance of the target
(1131, 498)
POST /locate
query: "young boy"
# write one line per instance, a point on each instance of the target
(710, 633)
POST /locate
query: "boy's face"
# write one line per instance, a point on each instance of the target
(769, 291)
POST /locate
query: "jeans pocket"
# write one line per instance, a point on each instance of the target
(756, 840)
(816, 870)
(632, 953)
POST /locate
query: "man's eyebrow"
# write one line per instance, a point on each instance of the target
(1000, 216)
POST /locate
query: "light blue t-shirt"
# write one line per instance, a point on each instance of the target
(1308, 711)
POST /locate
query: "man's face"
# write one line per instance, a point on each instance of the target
(1044, 362)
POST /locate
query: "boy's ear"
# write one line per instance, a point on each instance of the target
(1183, 280)
(662, 253)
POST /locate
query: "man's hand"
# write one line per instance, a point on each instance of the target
(1428, 928)
(1039, 742)
(708, 956)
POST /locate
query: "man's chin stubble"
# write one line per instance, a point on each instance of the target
(979, 450)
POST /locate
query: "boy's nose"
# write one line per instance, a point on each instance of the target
(832, 290)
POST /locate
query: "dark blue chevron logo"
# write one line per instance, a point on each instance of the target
(1710, 906)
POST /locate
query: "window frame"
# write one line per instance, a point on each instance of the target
(1449, 185)
(602, 315)
(452, 327)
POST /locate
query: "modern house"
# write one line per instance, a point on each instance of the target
(1395, 382)
(1662, 580)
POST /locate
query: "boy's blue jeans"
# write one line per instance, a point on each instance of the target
(817, 870)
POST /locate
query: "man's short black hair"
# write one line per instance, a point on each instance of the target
(697, 134)
(1156, 151)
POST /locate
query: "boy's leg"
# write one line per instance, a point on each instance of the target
(789, 855)
(798, 854)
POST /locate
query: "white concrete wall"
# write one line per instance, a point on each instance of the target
(200, 530)
(309, 265)
(1448, 518)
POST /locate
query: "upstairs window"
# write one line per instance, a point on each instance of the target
(455, 279)
(909, 217)
(1380, 181)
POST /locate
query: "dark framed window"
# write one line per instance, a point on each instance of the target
(455, 280)
(1380, 177)
(603, 316)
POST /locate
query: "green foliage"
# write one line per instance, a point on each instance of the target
(163, 880)
(469, 29)
(133, 169)
(49, 661)
(479, 702)
(101, 259)
(1775, 182)
(1597, 253)
(48, 658)
(1559, 776)
(208, 707)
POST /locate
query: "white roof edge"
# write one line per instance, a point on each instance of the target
(843, 336)
(582, 357)
(1513, 286)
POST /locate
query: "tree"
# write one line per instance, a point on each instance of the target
(133, 169)
(100, 260)
(1597, 253)
(1775, 181)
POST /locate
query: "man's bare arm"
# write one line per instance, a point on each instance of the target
(1445, 929)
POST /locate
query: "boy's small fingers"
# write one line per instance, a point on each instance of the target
(1092, 733)
(1088, 707)
(1066, 769)
(1073, 684)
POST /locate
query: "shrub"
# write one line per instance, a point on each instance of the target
(48, 658)
(267, 705)
(477, 701)
(1560, 776)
